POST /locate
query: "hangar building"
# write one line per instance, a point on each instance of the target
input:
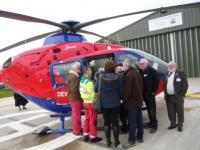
(172, 34)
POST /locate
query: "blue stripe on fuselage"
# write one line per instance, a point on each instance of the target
(50, 104)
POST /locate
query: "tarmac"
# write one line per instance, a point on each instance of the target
(16, 128)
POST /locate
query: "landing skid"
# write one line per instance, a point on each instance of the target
(46, 130)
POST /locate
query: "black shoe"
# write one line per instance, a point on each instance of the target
(152, 130)
(86, 138)
(24, 108)
(95, 140)
(172, 127)
(116, 143)
(108, 143)
(180, 129)
(129, 144)
(140, 140)
(107, 134)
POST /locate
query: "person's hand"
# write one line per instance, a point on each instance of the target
(94, 100)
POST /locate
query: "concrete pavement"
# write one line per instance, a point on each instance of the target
(16, 128)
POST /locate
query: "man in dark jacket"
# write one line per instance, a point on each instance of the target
(123, 111)
(150, 82)
(75, 97)
(175, 88)
(133, 100)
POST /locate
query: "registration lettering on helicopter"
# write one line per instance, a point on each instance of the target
(70, 46)
(61, 94)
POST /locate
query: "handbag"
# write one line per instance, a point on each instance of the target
(97, 104)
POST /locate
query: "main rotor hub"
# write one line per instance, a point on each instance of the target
(71, 24)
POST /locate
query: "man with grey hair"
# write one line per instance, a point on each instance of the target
(150, 83)
(133, 100)
(175, 88)
(75, 68)
(74, 96)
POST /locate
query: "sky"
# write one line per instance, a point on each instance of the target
(12, 31)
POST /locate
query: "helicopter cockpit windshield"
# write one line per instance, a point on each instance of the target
(64, 37)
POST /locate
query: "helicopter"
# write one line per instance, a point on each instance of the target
(40, 74)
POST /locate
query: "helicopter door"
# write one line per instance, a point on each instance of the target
(97, 63)
(59, 73)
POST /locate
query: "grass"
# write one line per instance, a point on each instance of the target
(5, 92)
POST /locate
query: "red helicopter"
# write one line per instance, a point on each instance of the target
(40, 74)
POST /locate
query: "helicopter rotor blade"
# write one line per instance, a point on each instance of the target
(28, 40)
(82, 25)
(16, 16)
(98, 35)
(78, 26)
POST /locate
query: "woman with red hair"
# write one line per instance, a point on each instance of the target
(110, 101)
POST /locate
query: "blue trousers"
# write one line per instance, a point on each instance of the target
(135, 123)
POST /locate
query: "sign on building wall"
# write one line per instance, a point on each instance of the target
(165, 22)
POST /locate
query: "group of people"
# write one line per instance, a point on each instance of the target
(123, 89)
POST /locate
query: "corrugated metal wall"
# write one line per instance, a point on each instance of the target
(139, 29)
(180, 43)
(183, 46)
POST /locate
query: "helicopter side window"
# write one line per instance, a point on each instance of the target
(133, 59)
(154, 62)
(60, 72)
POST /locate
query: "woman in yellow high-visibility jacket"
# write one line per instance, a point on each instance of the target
(88, 95)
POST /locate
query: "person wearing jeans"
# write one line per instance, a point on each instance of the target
(135, 122)
(133, 100)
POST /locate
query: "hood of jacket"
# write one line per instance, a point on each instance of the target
(107, 76)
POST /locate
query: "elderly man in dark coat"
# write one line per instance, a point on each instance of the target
(150, 83)
(176, 86)
(133, 100)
